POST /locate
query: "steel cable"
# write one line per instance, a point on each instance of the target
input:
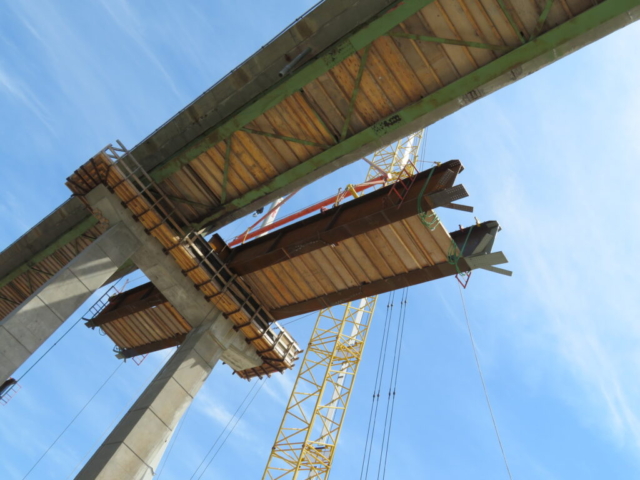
(119, 414)
(391, 401)
(74, 419)
(366, 459)
(226, 427)
(484, 386)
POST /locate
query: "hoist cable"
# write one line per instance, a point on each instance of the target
(118, 416)
(226, 427)
(366, 459)
(393, 366)
(233, 427)
(394, 382)
(484, 386)
(57, 341)
(74, 419)
(373, 415)
(174, 439)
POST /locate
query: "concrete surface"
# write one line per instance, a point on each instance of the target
(33, 322)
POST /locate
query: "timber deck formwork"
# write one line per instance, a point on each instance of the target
(373, 72)
(385, 240)
(115, 168)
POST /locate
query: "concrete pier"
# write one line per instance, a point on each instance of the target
(135, 447)
(38, 317)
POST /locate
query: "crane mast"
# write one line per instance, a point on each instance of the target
(306, 441)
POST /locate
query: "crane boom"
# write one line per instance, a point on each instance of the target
(308, 435)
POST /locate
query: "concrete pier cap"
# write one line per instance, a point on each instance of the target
(162, 270)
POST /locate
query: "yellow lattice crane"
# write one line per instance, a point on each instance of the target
(308, 435)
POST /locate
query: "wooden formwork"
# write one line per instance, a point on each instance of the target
(196, 258)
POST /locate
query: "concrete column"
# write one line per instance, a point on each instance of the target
(35, 320)
(166, 275)
(135, 447)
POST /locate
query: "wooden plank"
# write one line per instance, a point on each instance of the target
(328, 269)
(417, 249)
(375, 257)
(316, 288)
(399, 68)
(356, 273)
(426, 239)
(361, 260)
(331, 256)
(466, 28)
(402, 247)
(323, 133)
(259, 168)
(392, 258)
(434, 53)
(301, 126)
(332, 115)
(299, 286)
(281, 127)
(266, 282)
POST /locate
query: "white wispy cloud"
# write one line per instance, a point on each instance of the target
(568, 209)
(130, 23)
(18, 91)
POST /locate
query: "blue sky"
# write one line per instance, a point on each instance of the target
(553, 158)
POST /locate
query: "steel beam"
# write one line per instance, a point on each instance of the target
(356, 217)
(473, 244)
(127, 303)
(153, 346)
(378, 287)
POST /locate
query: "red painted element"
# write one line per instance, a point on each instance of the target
(464, 283)
(322, 206)
(10, 393)
(405, 182)
(139, 359)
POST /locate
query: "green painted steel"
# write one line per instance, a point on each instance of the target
(512, 22)
(60, 242)
(543, 45)
(449, 41)
(542, 19)
(354, 94)
(392, 16)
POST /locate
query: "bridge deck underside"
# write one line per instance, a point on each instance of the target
(380, 254)
(365, 88)
(315, 126)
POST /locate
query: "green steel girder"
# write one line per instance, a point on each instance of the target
(542, 19)
(354, 94)
(391, 17)
(545, 44)
(541, 46)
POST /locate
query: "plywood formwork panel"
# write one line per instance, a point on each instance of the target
(382, 253)
(399, 72)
